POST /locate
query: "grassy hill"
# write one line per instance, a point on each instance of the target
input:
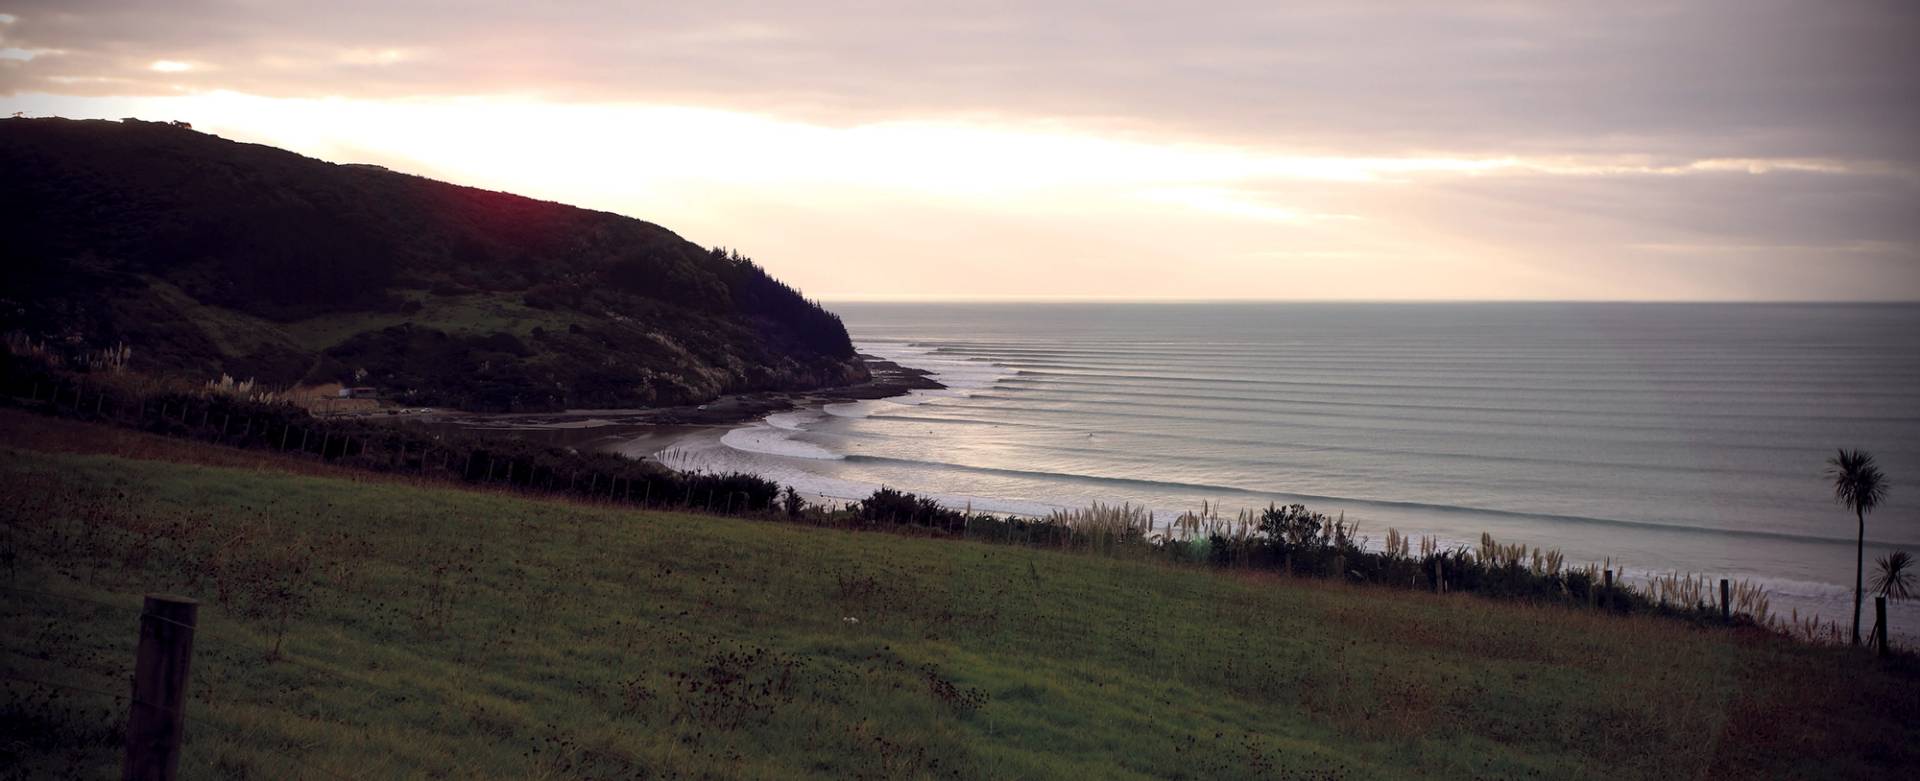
(426, 631)
(211, 256)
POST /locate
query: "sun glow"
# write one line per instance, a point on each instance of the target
(969, 208)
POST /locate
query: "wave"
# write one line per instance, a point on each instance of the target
(958, 375)
(1028, 387)
(1127, 378)
(1365, 356)
(1435, 353)
(1542, 439)
(1487, 422)
(1383, 503)
(771, 441)
(1316, 448)
(795, 420)
(1678, 372)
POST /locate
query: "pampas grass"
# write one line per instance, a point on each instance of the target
(1103, 526)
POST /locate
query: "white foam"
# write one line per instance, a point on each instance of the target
(856, 409)
(962, 374)
(795, 420)
(768, 440)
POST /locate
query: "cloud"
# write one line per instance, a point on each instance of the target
(1481, 149)
(1691, 79)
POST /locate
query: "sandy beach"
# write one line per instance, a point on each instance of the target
(638, 433)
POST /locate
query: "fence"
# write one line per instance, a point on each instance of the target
(159, 695)
(378, 447)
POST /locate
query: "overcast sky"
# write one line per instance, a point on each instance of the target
(1712, 149)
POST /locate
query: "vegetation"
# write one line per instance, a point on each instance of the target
(427, 631)
(1860, 487)
(1893, 576)
(211, 257)
(1290, 539)
(236, 414)
(1299, 542)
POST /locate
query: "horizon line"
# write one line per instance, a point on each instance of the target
(919, 299)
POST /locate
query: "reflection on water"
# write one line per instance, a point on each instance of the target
(1688, 437)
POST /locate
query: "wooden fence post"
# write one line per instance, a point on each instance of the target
(1726, 606)
(157, 718)
(1880, 618)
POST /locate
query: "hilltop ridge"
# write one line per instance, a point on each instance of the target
(209, 256)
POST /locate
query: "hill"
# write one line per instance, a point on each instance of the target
(423, 631)
(208, 256)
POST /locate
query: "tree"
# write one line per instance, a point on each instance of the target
(1892, 581)
(1859, 486)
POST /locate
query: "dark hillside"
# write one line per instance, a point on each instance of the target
(209, 256)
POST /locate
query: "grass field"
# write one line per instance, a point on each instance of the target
(238, 334)
(426, 631)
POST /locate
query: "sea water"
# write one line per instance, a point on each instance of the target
(1661, 437)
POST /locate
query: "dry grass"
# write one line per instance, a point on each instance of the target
(1103, 526)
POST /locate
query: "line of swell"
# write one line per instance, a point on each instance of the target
(1030, 389)
(1210, 440)
(1439, 351)
(1674, 375)
(1270, 414)
(1132, 380)
(1442, 508)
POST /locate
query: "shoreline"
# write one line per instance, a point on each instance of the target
(641, 432)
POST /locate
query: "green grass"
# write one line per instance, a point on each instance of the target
(450, 633)
(475, 315)
(238, 334)
(233, 333)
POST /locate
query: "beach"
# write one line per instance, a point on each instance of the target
(638, 433)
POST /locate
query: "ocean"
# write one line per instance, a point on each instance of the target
(1659, 437)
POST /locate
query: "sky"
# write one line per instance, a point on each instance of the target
(1332, 149)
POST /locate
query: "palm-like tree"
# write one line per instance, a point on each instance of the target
(1894, 579)
(1859, 485)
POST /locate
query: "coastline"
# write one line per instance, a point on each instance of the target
(749, 433)
(637, 433)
